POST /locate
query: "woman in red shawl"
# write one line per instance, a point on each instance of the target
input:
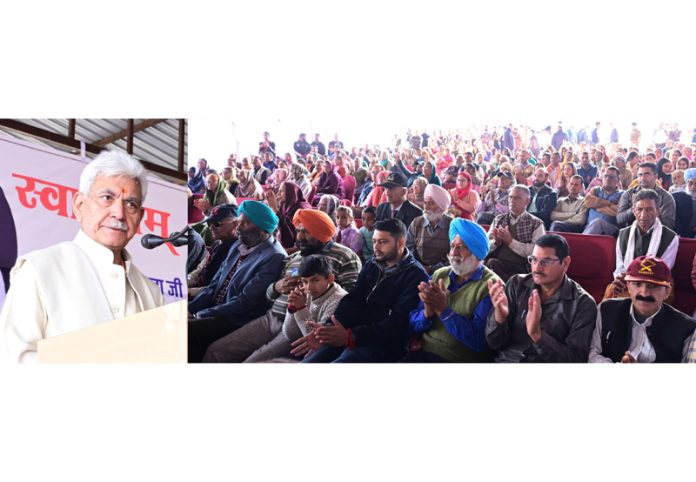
(288, 200)
(378, 192)
(464, 199)
(329, 182)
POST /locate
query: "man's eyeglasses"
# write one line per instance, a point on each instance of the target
(543, 262)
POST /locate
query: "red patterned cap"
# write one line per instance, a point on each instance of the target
(650, 269)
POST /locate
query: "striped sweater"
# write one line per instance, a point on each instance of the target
(345, 264)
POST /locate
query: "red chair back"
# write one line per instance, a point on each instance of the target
(684, 294)
(593, 260)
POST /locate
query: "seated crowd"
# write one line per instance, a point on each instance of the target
(447, 247)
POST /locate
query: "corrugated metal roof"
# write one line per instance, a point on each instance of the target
(158, 144)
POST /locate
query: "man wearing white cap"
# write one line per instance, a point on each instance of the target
(428, 235)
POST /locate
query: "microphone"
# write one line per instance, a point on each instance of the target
(178, 238)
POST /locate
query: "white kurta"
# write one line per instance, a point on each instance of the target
(67, 287)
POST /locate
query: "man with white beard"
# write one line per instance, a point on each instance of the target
(428, 235)
(451, 316)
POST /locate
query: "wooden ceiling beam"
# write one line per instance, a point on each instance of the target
(140, 126)
(75, 144)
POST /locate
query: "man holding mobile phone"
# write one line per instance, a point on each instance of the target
(315, 231)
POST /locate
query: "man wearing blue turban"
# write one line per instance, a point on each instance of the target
(451, 317)
(237, 293)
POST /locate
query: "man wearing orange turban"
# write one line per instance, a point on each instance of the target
(317, 223)
(265, 338)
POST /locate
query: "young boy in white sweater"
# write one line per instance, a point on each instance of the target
(312, 303)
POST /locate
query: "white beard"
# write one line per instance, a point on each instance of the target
(433, 218)
(465, 266)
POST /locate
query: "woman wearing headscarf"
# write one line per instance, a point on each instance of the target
(285, 204)
(417, 190)
(276, 179)
(378, 193)
(196, 180)
(229, 174)
(329, 182)
(444, 159)
(215, 193)
(328, 204)
(298, 175)
(340, 166)
(248, 186)
(360, 181)
(476, 176)
(430, 174)
(464, 199)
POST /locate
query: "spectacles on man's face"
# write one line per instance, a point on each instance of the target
(543, 262)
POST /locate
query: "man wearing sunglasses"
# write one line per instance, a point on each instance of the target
(223, 225)
(543, 316)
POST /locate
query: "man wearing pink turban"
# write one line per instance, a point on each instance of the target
(428, 235)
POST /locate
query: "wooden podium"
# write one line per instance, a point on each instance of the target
(154, 336)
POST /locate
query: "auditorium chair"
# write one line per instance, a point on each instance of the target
(684, 296)
(593, 260)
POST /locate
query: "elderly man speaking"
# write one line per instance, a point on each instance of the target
(455, 303)
(89, 280)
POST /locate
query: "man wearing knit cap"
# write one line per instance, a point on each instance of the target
(543, 316)
(235, 296)
(428, 235)
(642, 329)
(263, 338)
(455, 304)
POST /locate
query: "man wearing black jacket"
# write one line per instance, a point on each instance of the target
(397, 206)
(543, 199)
(642, 329)
(371, 323)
